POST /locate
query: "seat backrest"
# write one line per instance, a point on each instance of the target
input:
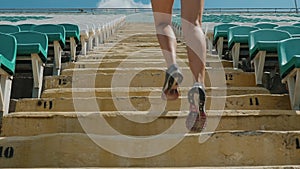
(71, 27)
(267, 35)
(221, 30)
(223, 27)
(266, 25)
(287, 49)
(240, 30)
(9, 29)
(297, 24)
(50, 28)
(27, 37)
(8, 48)
(26, 27)
(290, 29)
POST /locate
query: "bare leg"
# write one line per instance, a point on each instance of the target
(201, 12)
(162, 11)
(194, 37)
(196, 50)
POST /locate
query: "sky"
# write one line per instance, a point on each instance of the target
(141, 3)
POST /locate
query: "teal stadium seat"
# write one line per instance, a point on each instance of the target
(297, 24)
(266, 25)
(72, 37)
(289, 62)
(26, 27)
(293, 30)
(262, 42)
(33, 46)
(9, 29)
(238, 40)
(220, 37)
(8, 51)
(57, 39)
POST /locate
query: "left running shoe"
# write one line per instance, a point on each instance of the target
(196, 120)
(173, 79)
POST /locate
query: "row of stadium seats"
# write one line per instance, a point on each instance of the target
(260, 44)
(267, 46)
(30, 48)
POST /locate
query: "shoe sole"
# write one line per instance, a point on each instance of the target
(196, 120)
(171, 85)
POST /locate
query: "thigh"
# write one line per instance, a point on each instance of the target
(162, 11)
(191, 10)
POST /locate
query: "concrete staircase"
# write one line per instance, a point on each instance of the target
(105, 111)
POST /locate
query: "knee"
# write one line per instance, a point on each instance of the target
(188, 26)
(162, 26)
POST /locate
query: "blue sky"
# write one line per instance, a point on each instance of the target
(141, 3)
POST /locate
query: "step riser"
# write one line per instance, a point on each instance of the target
(138, 56)
(30, 124)
(78, 150)
(147, 78)
(136, 64)
(68, 93)
(259, 102)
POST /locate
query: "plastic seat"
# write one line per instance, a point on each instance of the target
(237, 36)
(56, 38)
(220, 37)
(9, 29)
(261, 42)
(72, 37)
(33, 46)
(26, 27)
(293, 30)
(297, 24)
(266, 25)
(289, 63)
(8, 51)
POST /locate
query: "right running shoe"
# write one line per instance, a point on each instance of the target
(196, 120)
(173, 79)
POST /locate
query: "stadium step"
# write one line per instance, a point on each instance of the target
(225, 148)
(83, 78)
(153, 103)
(144, 123)
(132, 63)
(145, 91)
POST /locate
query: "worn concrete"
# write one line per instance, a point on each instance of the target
(145, 103)
(145, 91)
(147, 78)
(251, 148)
(138, 123)
(141, 63)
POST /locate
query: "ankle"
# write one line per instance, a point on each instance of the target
(173, 67)
(199, 84)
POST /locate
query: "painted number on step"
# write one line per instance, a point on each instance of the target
(62, 81)
(229, 76)
(46, 104)
(81, 66)
(297, 144)
(6, 152)
(254, 101)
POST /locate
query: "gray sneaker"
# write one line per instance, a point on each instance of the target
(173, 79)
(196, 119)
